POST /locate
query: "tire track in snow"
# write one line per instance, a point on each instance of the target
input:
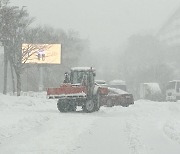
(171, 127)
(136, 144)
(171, 130)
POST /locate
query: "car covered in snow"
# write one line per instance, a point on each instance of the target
(119, 84)
(150, 91)
(117, 88)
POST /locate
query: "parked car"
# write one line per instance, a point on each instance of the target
(173, 90)
(119, 87)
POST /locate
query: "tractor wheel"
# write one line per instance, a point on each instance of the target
(89, 106)
(63, 106)
(97, 102)
(72, 108)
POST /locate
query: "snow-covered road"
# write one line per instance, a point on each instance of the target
(34, 125)
(151, 129)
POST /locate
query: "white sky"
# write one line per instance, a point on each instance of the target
(107, 23)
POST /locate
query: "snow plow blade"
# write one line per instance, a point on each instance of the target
(66, 90)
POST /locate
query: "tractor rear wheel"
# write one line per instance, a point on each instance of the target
(72, 108)
(63, 106)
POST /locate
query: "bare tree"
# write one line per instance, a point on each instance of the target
(16, 30)
(4, 38)
(15, 21)
(72, 49)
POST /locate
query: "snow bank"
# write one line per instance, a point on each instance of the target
(30, 120)
(28, 101)
(19, 114)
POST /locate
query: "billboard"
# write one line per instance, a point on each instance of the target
(41, 53)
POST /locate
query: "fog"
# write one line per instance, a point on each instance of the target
(116, 58)
(106, 23)
(117, 37)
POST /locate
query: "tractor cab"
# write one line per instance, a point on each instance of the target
(84, 76)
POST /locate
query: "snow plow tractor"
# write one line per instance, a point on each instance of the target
(80, 89)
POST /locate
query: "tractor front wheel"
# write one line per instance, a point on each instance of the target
(89, 106)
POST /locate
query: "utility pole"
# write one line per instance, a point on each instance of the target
(40, 77)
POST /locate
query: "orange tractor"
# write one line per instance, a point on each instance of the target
(80, 89)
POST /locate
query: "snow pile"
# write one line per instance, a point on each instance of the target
(82, 69)
(19, 114)
(31, 101)
(116, 91)
(30, 120)
(19, 124)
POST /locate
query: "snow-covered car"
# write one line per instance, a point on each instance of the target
(119, 84)
(120, 97)
(151, 91)
(117, 89)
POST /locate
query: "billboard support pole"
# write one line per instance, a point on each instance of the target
(40, 78)
(27, 79)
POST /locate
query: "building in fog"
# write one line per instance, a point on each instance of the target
(170, 31)
(169, 35)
